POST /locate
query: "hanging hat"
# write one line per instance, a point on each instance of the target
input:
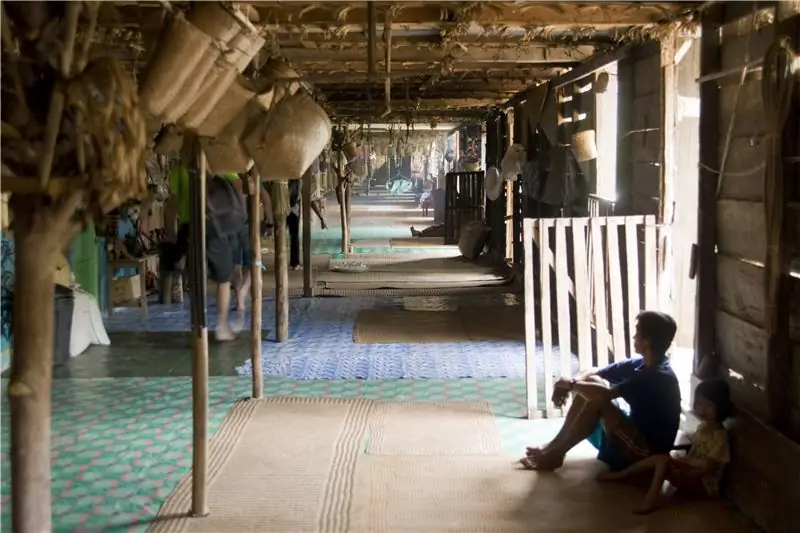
(493, 184)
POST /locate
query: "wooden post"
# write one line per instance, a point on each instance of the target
(281, 273)
(341, 193)
(256, 281)
(780, 375)
(305, 205)
(348, 200)
(197, 277)
(706, 360)
(29, 391)
(667, 171)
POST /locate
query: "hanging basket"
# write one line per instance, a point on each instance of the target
(218, 22)
(180, 50)
(350, 151)
(280, 74)
(225, 152)
(291, 135)
(214, 88)
(229, 106)
(192, 88)
(584, 146)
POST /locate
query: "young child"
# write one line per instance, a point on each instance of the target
(698, 474)
(425, 201)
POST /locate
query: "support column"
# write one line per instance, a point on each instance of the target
(281, 264)
(305, 206)
(199, 311)
(256, 281)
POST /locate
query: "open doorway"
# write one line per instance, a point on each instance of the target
(686, 102)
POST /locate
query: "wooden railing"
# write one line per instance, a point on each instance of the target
(575, 255)
(600, 206)
(464, 202)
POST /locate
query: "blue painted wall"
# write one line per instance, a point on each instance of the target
(7, 266)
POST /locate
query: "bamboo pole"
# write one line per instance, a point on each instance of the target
(29, 391)
(281, 271)
(256, 282)
(305, 205)
(197, 276)
(341, 192)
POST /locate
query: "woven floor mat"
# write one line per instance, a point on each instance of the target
(391, 326)
(276, 465)
(433, 428)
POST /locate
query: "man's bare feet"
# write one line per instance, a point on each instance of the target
(535, 451)
(544, 462)
(224, 333)
(238, 324)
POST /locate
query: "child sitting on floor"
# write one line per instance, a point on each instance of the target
(698, 474)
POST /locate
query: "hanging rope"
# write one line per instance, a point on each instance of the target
(780, 70)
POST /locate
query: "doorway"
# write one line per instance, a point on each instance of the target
(686, 102)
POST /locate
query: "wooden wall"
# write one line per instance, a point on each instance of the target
(764, 476)
(741, 339)
(639, 130)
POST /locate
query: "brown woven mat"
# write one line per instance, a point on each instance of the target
(387, 326)
(433, 428)
(276, 465)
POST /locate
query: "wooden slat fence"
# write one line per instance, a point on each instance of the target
(464, 202)
(564, 311)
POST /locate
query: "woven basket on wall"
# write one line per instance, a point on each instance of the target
(584, 146)
(191, 89)
(229, 106)
(288, 139)
(180, 50)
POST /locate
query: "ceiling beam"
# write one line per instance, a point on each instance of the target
(565, 14)
(438, 104)
(526, 73)
(358, 39)
(527, 54)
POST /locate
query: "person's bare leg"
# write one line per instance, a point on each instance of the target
(552, 455)
(652, 500)
(224, 332)
(572, 414)
(242, 293)
(645, 465)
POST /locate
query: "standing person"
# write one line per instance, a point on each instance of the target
(293, 222)
(226, 216)
(623, 434)
(178, 206)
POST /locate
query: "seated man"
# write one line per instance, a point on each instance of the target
(622, 436)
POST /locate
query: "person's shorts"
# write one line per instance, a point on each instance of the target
(622, 447)
(222, 252)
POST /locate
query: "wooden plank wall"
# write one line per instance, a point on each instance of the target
(741, 232)
(639, 131)
(763, 477)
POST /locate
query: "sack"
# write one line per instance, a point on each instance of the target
(226, 212)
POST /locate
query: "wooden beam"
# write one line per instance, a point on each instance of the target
(513, 54)
(357, 40)
(256, 286)
(305, 208)
(281, 269)
(592, 65)
(706, 357)
(278, 14)
(499, 74)
(197, 277)
(780, 366)
(442, 103)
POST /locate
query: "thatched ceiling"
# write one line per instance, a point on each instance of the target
(447, 58)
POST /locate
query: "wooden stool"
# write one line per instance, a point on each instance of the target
(138, 263)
